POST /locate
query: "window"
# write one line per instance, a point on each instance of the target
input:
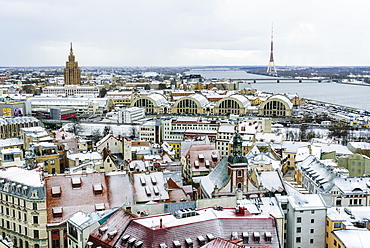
(311, 241)
(312, 230)
(34, 206)
(298, 239)
(312, 220)
(312, 211)
(338, 225)
(299, 229)
(35, 220)
(299, 219)
(36, 234)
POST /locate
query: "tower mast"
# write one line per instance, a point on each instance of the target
(271, 66)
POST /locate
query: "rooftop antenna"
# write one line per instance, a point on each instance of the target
(271, 66)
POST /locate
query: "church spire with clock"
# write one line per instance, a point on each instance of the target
(72, 74)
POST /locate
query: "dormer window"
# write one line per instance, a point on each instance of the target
(76, 182)
(154, 180)
(256, 237)
(214, 157)
(268, 237)
(201, 158)
(99, 207)
(34, 194)
(56, 191)
(98, 189)
(57, 212)
(24, 190)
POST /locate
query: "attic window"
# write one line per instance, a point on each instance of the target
(76, 182)
(256, 237)
(142, 181)
(34, 194)
(234, 235)
(98, 189)
(268, 237)
(99, 206)
(125, 238)
(147, 191)
(163, 245)
(202, 240)
(208, 163)
(176, 243)
(19, 188)
(196, 164)
(112, 234)
(138, 244)
(210, 237)
(245, 237)
(24, 190)
(154, 181)
(102, 230)
(214, 157)
(189, 243)
(57, 212)
(131, 242)
(156, 190)
(201, 157)
(56, 191)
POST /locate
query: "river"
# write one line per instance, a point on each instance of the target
(355, 96)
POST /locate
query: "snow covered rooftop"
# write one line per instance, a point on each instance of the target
(27, 177)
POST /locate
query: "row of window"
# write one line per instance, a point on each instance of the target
(17, 201)
(19, 242)
(7, 224)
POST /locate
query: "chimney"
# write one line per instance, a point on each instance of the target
(77, 162)
(45, 173)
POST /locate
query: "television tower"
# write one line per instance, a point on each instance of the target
(271, 66)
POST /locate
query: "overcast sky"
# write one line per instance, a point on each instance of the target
(185, 33)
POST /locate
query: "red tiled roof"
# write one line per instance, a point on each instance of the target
(154, 230)
(221, 243)
(150, 187)
(108, 234)
(77, 194)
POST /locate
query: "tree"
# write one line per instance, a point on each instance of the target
(96, 136)
(76, 128)
(107, 130)
(102, 92)
(133, 133)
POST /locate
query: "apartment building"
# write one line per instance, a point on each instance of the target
(305, 221)
(23, 207)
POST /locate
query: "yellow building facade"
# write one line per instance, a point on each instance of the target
(72, 74)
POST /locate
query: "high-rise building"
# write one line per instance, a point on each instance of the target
(72, 74)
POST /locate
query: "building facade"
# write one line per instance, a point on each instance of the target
(23, 208)
(72, 74)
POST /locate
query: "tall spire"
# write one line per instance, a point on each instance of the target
(271, 66)
(71, 51)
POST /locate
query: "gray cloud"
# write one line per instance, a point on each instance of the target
(172, 33)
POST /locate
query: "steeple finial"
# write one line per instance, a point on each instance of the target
(71, 46)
